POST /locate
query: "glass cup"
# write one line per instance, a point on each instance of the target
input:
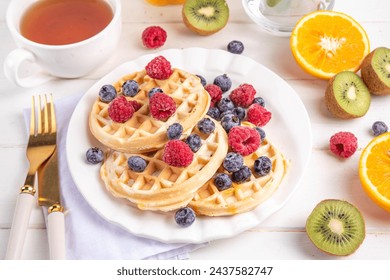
(279, 17)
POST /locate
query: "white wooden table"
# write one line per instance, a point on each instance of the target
(282, 236)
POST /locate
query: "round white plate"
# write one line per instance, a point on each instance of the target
(289, 129)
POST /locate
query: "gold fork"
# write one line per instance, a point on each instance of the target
(41, 145)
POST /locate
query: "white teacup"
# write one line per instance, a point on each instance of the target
(64, 61)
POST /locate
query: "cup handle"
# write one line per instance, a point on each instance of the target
(12, 64)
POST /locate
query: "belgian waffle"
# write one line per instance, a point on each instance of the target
(162, 187)
(142, 132)
(242, 197)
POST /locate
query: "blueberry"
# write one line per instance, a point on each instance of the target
(225, 104)
(262, 165)
(379, 128)
(136, 163)
(259, 100)
(229, 120)
(202, 80)
(222, 181)
(130, 88)
(233, 162)
(94, 155)
(107, 93)
(224, 82)
(214, 113)
(174, 131)
(240, 113)
(242, 175)
(185, 217)
(226, 113)
(236, 47)
(206, 126)
(194, 141)
(153, 91)
(261, 132)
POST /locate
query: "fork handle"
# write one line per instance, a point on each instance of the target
(56, 235)
(19, 226)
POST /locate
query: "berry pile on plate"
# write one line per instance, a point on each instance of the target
(176, 144)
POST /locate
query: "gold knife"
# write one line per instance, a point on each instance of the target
(49, 196)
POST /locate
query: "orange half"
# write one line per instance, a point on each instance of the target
(325, 43)
(374, 170)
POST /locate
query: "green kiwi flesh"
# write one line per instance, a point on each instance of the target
(205, 17)
(347, 96)
(375, 71)
(336, 227)
(273, 3)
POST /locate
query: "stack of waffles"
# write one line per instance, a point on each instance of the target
(161, 185)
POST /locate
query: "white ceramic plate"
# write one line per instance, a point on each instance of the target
(289, 129)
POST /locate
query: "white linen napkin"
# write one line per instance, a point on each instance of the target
(89, 236)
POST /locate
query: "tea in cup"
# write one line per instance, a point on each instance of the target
(64, 38)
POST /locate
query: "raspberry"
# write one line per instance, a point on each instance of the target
(343, 144)
(243, 140)
(177, 153)
(120, 110)
(154, 37)
(161, 106)
(243, 96)
(215, 92)
(159, 68)
(258, 115)
(135, 105)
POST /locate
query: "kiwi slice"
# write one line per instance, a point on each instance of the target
(336, 227)
(375, 71)
(205, 17)
(272, 3)
(347, 96)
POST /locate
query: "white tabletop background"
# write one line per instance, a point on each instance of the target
(282, 236)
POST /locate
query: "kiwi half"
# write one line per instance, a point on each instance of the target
(375, 71)
(205, 17)
(336, 227)
(347, 96)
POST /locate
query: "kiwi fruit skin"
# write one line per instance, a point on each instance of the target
(190, 4)
(370, 76)
(342, 212)
(333, 105)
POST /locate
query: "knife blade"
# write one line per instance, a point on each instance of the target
(49, 196)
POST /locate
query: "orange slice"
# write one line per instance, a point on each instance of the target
(374, 170)
(325, 43)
